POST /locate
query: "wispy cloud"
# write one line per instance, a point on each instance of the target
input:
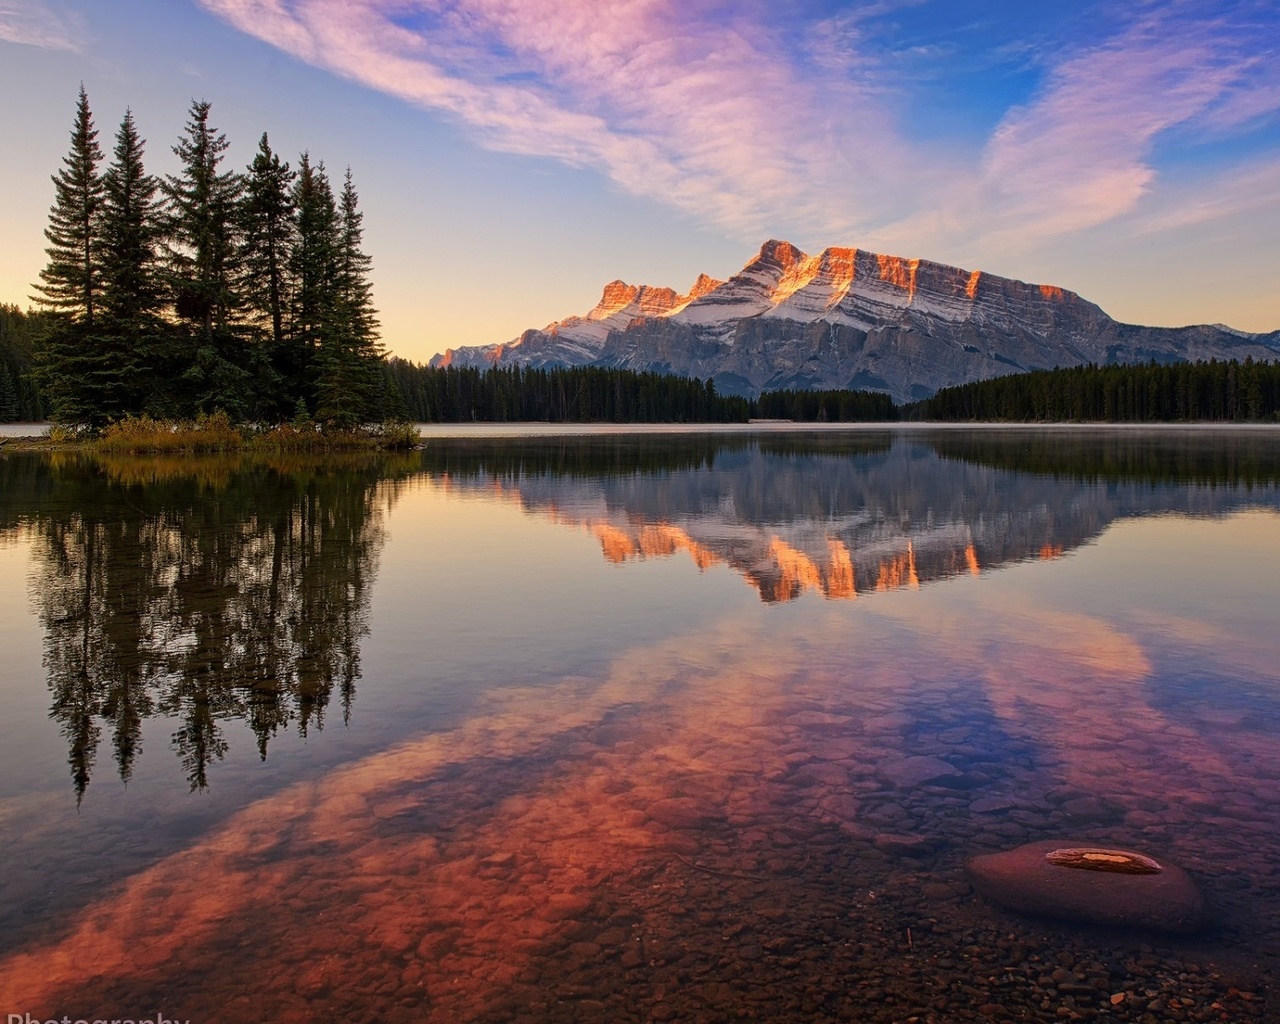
(1247, 190)
(712, 116)
(756, 130)
(1081, 152)
(35, 24)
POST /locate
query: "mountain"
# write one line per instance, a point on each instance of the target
(847, 318)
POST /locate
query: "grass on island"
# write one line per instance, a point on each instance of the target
(142, 435)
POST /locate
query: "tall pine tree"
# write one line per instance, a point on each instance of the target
(71, 281)
(138, 365)
(267, 221)
(268, 238)
(349, 381)
(313, 270)
(354, 267)
(72, 278)
(204, 266)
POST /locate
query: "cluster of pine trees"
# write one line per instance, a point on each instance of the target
(210, 289)
(1213, 390)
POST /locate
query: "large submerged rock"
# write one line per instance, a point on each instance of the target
(1076, 881)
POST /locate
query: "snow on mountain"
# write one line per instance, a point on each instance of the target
(578, 339)
(851, 318)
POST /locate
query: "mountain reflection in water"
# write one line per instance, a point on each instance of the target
(841, 515)
(584, 780)
(208, 590)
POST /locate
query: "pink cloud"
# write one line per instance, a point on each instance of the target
(1080, 153)
(711, 117)
(35, 24)
(714, 115)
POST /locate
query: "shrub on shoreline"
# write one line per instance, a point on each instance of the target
(137, 435)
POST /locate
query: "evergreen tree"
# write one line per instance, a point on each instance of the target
(349, 380)
(268, 238)
(313, 271)
(72, 278)
(356, 293)
(137, 367)
(204, 265)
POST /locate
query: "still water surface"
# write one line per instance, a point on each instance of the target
(610, 728)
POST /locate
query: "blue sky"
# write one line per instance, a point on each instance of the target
(514, 155)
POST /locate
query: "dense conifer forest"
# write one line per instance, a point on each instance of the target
(20, 395)
(590, 394)
(1216, 390)
(561, 395)
(213, 289)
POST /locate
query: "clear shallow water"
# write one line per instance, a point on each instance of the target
(619, 728)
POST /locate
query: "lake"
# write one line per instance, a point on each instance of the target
(605, 725)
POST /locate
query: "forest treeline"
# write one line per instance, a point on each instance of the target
(213, 289)
(593, 394)
(21, 398)
(1226, 391)
(1213, 390)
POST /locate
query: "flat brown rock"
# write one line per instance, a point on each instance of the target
(1081, 881)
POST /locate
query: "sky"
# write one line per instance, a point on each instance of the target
(513, 156)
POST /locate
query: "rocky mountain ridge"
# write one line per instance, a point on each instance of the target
(852, 318)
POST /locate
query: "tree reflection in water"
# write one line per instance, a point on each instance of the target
(203, 590)
(207, 590)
